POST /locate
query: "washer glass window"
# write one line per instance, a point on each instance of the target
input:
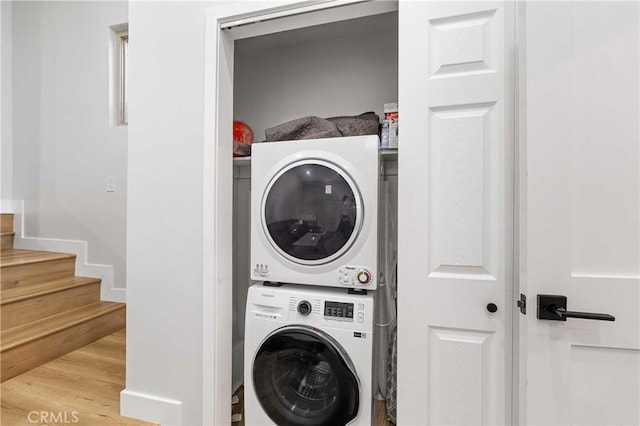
(311, 213)
(300, 378)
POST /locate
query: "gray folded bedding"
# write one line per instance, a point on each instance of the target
(317, 128)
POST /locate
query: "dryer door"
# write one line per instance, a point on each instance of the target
(301, 376)
(311, 212)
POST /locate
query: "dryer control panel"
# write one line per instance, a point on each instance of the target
(355, 276)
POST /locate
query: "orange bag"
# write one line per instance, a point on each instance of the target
(242, 139)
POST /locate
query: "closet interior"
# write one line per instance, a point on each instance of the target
(342, 68)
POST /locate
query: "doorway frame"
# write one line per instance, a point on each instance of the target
(217, 204)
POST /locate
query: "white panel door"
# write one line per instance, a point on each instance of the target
(581, 199)
(455, 212)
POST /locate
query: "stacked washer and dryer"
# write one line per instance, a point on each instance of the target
(314, 248)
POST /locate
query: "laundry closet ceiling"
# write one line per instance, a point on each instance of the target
(341, 68)
(384, 23)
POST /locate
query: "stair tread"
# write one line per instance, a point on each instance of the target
(22, 334)
(14, 257)
(17, 294)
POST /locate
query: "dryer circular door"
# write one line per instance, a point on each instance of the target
(312, 212)
(301, 376)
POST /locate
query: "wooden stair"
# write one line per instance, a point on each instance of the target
(6, 231)
(46, 311)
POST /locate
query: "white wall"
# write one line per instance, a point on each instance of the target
(164, 219)
(6, 91)
(315, 71)
(64, 146)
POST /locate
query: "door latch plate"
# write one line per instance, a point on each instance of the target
(522, 304)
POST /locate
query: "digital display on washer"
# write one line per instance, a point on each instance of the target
(338, 310)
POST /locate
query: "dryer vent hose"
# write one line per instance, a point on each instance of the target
(385, 294)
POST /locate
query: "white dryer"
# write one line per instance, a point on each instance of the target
(308, 356)
(314, 211)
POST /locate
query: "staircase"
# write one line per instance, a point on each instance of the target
(46, 311)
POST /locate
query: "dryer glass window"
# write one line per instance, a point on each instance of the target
(311, 212)
(301, 379)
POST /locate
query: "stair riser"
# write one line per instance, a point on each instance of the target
(6, 222)
(36, 273)
(6, 242)
(30, 355)
(35, 308)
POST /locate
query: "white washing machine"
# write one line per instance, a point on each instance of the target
(308, 356)
(314, 211)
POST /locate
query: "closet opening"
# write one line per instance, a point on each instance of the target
(337, 61)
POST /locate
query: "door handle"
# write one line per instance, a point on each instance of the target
(554, 308)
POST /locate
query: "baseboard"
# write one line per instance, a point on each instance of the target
(150, 408)
(80, 248)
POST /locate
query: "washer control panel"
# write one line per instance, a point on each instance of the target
(354, 276)
(333, 308)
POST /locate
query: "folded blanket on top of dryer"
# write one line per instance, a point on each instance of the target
(317, 128)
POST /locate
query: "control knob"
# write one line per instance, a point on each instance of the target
(364, 277)
(304, 308)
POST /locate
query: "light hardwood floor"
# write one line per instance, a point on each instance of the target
(380, 414)
(83, 385)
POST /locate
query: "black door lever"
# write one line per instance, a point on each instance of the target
(554, 308)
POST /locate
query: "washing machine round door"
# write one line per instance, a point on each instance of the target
(312, 212)
(301, 376)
